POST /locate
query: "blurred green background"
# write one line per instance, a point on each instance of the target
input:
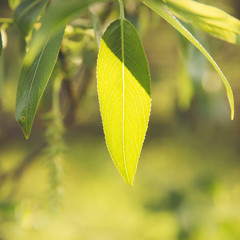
(187, 186)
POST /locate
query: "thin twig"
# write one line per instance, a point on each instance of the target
(6, 20)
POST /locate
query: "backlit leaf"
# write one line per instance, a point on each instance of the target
(208, 18)
(33, 81)
(124, 95)
(26, 14)
(160, 8)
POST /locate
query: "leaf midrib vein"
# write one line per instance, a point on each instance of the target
(30, 89)
(123, 78)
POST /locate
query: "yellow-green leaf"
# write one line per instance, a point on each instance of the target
(208, 18)
(161, 9)
(124, 95)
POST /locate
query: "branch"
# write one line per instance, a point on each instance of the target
(22, 167)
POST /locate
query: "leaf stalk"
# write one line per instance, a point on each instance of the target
(121, 5)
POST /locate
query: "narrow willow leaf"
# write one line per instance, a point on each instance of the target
(26, 14)
(33, 81)
(161, 9)
(56, 17)
(208, 18)
(124, 95)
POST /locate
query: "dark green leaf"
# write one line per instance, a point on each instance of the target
(33, 81)
(26, 14)
(58, 14)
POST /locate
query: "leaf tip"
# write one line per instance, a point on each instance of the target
(21, 120)
(26, 134)
(232, 114)
(131, 184)
(129, 181)
(128, 177)
(231, 103)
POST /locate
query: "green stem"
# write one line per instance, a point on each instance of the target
(121, 9)
(6, 20)
(56, 89)
(55, 148)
